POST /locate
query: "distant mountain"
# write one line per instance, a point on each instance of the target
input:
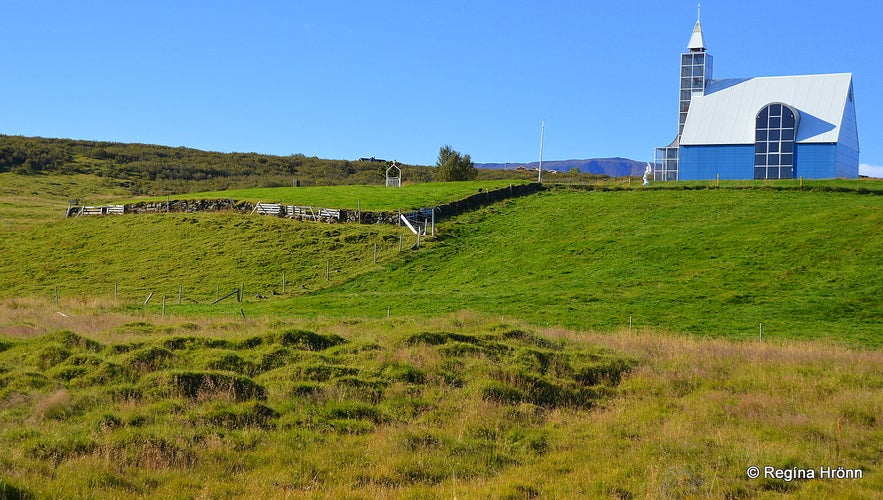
(614, 167)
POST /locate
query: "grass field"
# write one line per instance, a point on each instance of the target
(717, 263)
(458, 406)
(368, 198)
(495, 360)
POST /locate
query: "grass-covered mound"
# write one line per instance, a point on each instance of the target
(463, 406)
(176, 407)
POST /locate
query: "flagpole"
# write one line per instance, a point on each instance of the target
(542, 137)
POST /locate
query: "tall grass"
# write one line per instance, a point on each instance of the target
(461, 406)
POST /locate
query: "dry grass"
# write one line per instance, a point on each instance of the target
(686, 422)
(55, 405)
(696, 413)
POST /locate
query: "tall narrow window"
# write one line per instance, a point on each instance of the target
(775, 131)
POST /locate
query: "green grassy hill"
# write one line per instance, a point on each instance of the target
(716, 262)
(709, 262)
(506, 367)
(368, 198)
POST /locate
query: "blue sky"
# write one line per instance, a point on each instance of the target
(399, 79)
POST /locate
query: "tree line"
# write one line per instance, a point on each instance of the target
(153, 169)
(146, 169)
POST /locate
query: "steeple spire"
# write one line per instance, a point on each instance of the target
(697, 42)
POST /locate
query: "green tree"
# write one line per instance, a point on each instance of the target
(452, 166)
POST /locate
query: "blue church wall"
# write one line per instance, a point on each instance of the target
(847, 162)
(847, 145)
(736, 162)
(815, 161)
(732, 162)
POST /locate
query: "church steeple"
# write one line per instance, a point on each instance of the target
(697, 42)
(695, 71)
(696, 66)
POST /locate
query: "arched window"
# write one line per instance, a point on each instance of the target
(775, 130)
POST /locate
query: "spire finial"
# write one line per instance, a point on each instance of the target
(696, 41)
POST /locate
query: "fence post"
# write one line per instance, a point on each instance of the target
(375, 253)
(283, 282)
(328, 270)
(180, 293)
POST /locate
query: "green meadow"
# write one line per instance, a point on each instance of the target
(594, 341)
(368, 198)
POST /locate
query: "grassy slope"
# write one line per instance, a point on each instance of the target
(207, 254)
(369, 198)
(28, 201)
(711, 262)
(451, 414)
(718, 263)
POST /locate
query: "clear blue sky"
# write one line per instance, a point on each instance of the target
(399, 79)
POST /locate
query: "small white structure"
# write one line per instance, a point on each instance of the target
(393, 175)
(647, 173)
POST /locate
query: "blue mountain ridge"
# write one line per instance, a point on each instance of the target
(614, 167)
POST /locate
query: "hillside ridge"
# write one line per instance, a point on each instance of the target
(613, 167)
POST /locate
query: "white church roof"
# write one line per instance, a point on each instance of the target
(727, 112)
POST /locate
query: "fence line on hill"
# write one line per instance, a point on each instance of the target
(446, 210)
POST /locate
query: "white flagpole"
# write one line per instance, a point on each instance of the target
(542, 137)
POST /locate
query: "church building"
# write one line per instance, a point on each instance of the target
(777, 127)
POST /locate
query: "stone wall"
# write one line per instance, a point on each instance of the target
(189, 206)
(473, 202)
